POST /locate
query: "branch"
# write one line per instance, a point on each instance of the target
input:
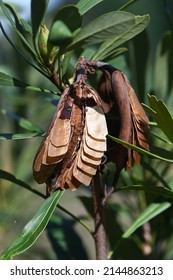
(100, 233)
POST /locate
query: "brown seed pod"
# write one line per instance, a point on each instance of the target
(76, 139)
(132, 125)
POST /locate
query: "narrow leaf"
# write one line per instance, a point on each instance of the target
(86, 5)
(127, 28)
(110, 27)
(160, 113)
(140, 150)
(33, 228)
(112, 54)
(163, 139)
(23, 39)
(158, 190)
(38, 9)
(11, 178)
(155, 174)
(21, 24)
(30, 50)
(26, 26)
(24, 123)
(7, 80)
(153, 210)
(19, 136)
(163, 82)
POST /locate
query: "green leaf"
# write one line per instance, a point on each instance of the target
(163, 83)
(163, 139)
(60, 33)
(24, 123)
(25, 26)
(86, 5)
(11, 178)
(160, 113)
(23, 39)
(30, 50)
(140, 150)
(21, 24)
(7, 80)
(127, 27)
(67, 21)
(33, 228)
(38, 9)
(112, 28)
(19, 136)
(153, 210)
(112, 54)
(155, 174)
(158, 190)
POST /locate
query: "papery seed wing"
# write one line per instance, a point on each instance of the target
(59, 140)
(91, 150)
(140, 120)
(96, 124)
(55, 143)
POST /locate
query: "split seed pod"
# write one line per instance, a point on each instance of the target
(118, 98)
(76, 139)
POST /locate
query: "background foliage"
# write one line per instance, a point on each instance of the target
(138, 219)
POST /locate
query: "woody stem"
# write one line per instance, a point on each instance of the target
(99, 233)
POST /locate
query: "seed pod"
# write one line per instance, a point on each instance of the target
(133, 124)
(74, 145)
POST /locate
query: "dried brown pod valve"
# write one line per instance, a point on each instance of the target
(76, 139)
(119, 98)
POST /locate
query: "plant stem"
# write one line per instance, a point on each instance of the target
(100, 233)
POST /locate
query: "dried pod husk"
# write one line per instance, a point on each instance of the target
(105, 92)
(126, 118)
(53, 147)
(75, 142)
(140, 125)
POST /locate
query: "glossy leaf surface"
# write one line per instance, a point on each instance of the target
(33, 228)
